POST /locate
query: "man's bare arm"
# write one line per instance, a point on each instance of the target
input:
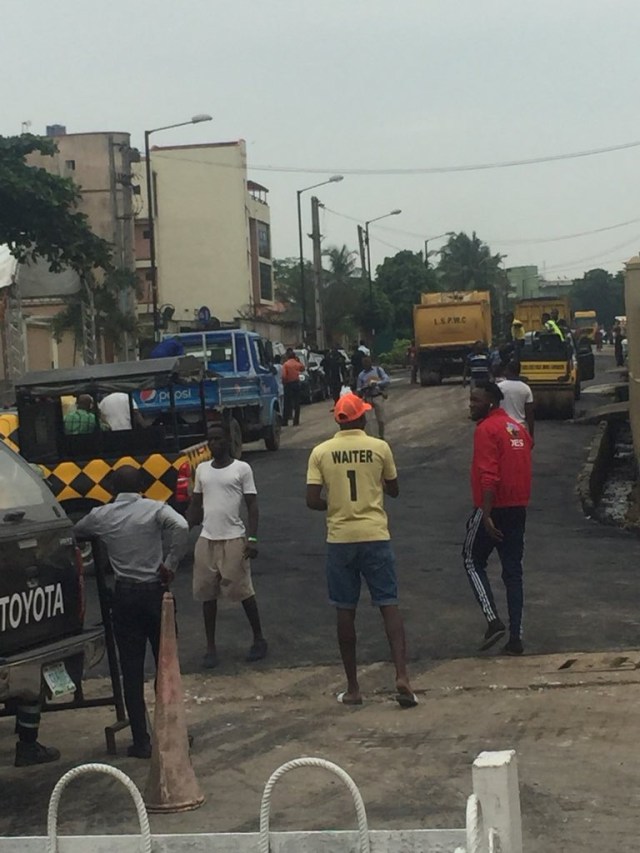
(195, 511)
(391, 488)
(315, 499)
(253, 515)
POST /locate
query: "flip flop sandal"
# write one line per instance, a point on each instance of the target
(406, 700)
(341, 697)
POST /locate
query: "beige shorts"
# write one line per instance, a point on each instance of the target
(220, 570)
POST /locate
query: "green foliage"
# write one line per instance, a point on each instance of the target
(403, 278)
(599, 291)
(111, 322)
(341, 294)
(397, 356)
(286, 276)
(37, 211)
(466, 263)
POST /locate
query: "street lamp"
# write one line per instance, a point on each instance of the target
(366, 240)
(334, 179)
(197, 119)
(437, 237)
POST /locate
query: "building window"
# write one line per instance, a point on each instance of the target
(146, 234)
(264, 240)
(70, 165)
(266, 283)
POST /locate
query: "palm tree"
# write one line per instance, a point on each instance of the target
(340, 293)
(112, 323)
(466, 263)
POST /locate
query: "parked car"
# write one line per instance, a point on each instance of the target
(44, 646)
(313, 379)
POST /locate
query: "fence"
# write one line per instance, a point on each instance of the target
(492, 822)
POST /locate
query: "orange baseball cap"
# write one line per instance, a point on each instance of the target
(349, 408)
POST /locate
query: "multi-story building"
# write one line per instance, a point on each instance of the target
(100, 163)
(213, 240)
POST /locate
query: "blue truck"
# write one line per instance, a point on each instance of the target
(240, 387)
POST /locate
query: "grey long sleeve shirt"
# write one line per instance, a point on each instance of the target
(131, 529)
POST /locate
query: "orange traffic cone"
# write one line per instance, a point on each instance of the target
(172, 785)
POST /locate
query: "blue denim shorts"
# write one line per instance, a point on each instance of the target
(348, 562)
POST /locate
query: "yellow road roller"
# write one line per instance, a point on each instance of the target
(555, 369)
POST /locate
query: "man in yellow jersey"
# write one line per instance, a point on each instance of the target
(356, 470)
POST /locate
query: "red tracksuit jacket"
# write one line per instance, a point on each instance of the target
(501, 460)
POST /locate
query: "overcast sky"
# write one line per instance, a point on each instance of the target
(373, 84)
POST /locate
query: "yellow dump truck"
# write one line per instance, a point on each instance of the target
(530, 311)
(585, 324)
(446, 326)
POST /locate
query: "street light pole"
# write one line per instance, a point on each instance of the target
(368, 247)
(334, 179)
(197, 119)
(428, 240)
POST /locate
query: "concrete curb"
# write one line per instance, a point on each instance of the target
(593, 475)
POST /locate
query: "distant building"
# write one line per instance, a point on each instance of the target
(100, 163)
(555, 286)
(213, 240)
(524, 281)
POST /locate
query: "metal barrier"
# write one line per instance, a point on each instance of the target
(492, 822)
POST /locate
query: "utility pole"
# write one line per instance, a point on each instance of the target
(316, 237)
(88, 313)
(14, 332)
(363, 259)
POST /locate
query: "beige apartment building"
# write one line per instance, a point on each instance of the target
(213, 240)
(100, 163)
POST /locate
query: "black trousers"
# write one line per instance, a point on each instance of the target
(137, 614)
(291, 402)
(478, 546)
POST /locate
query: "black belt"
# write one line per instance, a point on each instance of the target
(126, 583)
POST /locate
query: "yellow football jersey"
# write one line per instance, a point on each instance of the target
(352, 466)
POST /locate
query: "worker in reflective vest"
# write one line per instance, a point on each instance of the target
(551, 326)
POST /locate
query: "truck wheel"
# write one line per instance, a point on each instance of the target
(430, 377)
(272, 434)
(235, 434)
(577, 391)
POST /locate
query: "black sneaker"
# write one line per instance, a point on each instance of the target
(513, 647)
(139, 750)
(258, 651)
(495, 631)
(29, 754)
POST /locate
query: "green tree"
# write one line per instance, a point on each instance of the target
(466, 263)
(402, 278)
(38, 216)
(599, 291)
(286, 276)
(111, 321)
(341, 293)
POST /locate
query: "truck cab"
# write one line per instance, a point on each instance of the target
(44, 645)
(240, 385)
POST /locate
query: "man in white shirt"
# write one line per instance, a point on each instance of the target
(116, 413)
(221, 559)
(518, 397)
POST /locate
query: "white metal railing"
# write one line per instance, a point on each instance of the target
(492, 822)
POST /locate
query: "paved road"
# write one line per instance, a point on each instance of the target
(581, 584)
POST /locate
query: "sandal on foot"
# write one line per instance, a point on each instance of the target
(407, 700)
(343, 700)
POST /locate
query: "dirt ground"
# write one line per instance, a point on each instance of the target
(413, 767)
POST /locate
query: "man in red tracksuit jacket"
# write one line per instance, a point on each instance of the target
(501, 486)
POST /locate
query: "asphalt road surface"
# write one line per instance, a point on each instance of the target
(581, 585)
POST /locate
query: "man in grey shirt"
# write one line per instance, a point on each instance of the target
(131, 529)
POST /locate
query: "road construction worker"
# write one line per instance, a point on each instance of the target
(550, 325)
(517, 331)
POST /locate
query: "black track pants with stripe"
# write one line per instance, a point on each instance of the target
(477, 549)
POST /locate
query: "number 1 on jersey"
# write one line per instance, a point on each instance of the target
(353, 486)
